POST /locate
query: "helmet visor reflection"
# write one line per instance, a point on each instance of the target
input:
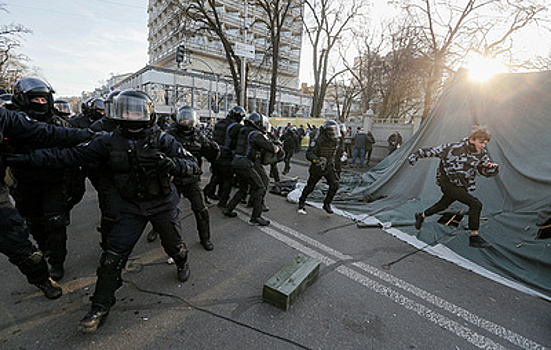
(132, 108)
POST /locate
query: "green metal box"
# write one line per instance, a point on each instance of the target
(284, 288)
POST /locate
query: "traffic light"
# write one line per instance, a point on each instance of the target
(180, 54)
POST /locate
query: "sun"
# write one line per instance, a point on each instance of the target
(483, 68)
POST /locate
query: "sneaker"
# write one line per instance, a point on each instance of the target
(328, 209)
(265, 208)
(207, 245)
(260, 221)
(152, 235)
(57, 272)
(419, 220)
(478, 242)
(50, 289)
(229, 213)
(301, 211)
(93, 319)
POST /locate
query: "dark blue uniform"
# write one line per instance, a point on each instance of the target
(145, 192)
(190, 187)
(14, 233)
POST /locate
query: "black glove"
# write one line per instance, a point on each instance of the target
(165, 164)
(192, 168)
(15, 159)
(321, 162)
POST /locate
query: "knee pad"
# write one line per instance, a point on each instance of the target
(54, 222)
(111, 263)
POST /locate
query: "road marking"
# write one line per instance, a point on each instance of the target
(442, 321)
(489, 326)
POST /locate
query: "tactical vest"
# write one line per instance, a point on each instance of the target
(191, 142)
(222, 135)
(244, 146)
(327, 149)
(135, 181)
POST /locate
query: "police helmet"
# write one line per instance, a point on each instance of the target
(108, 103)
(133, 110)
(237, 113)
(186, 118)
(28, 88)
(256, 121)
(96, 108)
(62, 108)
(292, 129)
(331, 129)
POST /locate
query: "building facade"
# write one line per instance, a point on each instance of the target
(168, 29)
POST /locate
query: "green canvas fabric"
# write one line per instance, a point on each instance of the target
(516, 109)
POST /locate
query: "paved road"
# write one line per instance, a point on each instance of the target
(422, 302)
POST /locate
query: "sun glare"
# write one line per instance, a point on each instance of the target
(483, 68)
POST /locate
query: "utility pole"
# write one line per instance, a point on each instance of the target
(244, 59)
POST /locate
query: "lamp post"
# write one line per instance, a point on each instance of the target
(181, 56)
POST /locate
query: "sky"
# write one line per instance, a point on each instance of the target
(78, 44)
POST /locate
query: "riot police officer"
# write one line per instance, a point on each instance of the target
(324, 154)
(63, 109)
(106, 123)
(92, 110)
(186, 132)
(291, 145)
(19, 127)
(143, 160)
(248, 167)
(40, 194)
(225, 134)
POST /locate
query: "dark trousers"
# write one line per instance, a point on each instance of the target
(452, 193)
(43, 206)
(129, 227)
(287, 160)
(193, 192)
(15, 242)
(222, 176)
(249, 178)
(315, 175)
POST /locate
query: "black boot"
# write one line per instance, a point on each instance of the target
(260, 221)
(207, 245)
(229, 213)
(183, 267)
(57, 271)
(50, 289)
(478, 242)
(93, 319)
(328, 209)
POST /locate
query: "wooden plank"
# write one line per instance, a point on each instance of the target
(284, 288)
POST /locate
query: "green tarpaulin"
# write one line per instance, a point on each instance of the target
(516, 109)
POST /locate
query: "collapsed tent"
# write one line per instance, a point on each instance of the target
(516, 109)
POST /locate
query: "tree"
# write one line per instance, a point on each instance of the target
(12, 63)
(278, 17)
(326, 24)
(205, 18)
(452, 31)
